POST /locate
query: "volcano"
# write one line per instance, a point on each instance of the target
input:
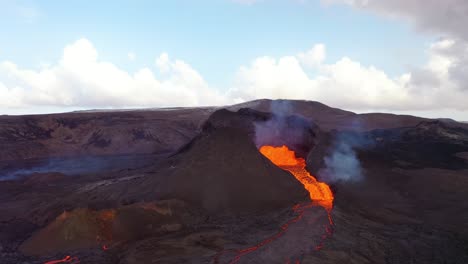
(230, 175)
(248, 183)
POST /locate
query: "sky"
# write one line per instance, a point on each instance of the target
(399, 56)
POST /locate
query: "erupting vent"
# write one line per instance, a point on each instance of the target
(286, 159)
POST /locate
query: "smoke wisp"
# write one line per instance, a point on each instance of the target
(284, 128)
(74, 166)
(342, 162)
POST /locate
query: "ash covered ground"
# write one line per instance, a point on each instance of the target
(189, 185)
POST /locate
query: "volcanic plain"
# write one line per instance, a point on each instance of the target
(265, 181)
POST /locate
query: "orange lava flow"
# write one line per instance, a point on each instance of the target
(242, 252)
(320, 192)
(67, 259)
(300, 210)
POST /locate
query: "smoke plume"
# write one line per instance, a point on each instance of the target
(342, 162)
(267, 132)
(285, 128)
(72, 166)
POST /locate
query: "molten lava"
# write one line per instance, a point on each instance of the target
(67, 259)
(286, 159)
(320, 194)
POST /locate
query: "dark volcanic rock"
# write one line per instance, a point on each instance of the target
(98, 133)
(84, 228)
(222, 170)
(243, 119)
(410, 205)
(329, 118)
(433, 144)
(294, 131)
(158, 130)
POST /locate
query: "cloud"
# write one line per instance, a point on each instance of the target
(163, 62)
(23, 10)
(131, 56)
(313, 57)
(446, 17)
(347, 83)
(80, 79)
(246, 2)
(445, 75)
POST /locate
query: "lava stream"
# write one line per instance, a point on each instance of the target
(67, 259)
(319, 192)
(286, 159)
(241, 252)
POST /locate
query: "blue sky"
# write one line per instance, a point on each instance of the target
(215, 37)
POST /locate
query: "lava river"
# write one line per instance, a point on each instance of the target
(295, 236)
(286, 159)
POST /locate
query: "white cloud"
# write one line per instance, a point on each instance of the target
(246, 2)
(313, 57)
(446, 17)
(80, 79)
(268, 77)
(22, 10)
(163, 62)
(131, 56)
(445, 75)
(348, 84)
(345, 83)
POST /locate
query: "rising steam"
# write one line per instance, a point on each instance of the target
(287, 128)
(342, 162)
(284, 128)
(267, 132)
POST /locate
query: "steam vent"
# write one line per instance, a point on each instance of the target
(266, 181)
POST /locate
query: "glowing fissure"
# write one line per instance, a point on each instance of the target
(319, 192)
(241, 252)
(104, 221)
(67, 259)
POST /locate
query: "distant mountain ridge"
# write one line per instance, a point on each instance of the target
(146, 131)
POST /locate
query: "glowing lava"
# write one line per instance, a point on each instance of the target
(320, 194)
(67, 259)
(286, 159)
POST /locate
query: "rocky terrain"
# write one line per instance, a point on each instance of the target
(98, 133)
(188, 185)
